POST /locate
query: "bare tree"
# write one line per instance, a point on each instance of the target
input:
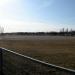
(62, 30)
(1, 30)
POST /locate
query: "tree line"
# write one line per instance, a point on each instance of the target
(71, 33)
(62, 32)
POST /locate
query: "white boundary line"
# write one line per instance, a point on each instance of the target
(41, 62)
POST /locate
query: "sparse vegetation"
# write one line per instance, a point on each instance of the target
(55, 50)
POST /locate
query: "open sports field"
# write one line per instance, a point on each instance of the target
(59, 50)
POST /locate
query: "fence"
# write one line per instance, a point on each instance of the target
(12, 63)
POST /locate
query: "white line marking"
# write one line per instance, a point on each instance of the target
(38, 61)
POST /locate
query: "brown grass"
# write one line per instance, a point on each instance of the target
(60, 52)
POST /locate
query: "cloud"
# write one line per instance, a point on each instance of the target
(22, 26)
(29, 26)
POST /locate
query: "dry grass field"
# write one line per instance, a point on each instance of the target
(59, 50)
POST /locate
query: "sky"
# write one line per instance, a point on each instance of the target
(37, 15)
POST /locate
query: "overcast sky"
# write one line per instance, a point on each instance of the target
(37, 15)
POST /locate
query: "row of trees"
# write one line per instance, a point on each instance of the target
(64, 32)
(72, 33)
